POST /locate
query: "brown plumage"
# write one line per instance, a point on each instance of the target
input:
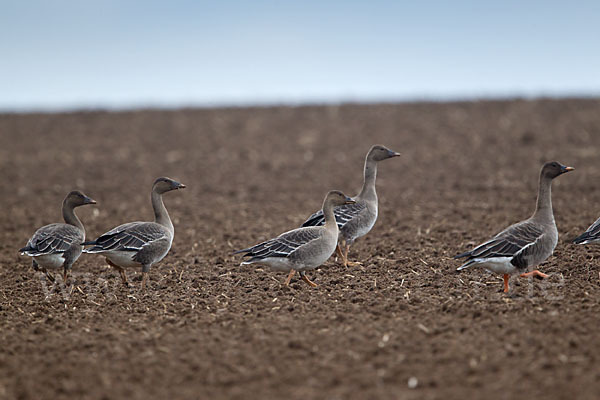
(525, 244)
(59, 245)
(140, 244)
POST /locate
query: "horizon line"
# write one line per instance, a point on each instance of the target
(108, 106)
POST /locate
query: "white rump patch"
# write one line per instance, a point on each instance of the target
(123, 259)
(50, 261)
(275, 263)
(498, 265)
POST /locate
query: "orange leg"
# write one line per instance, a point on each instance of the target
(123, 277)
(289, 278)
(350, 263)
(144, 279)
(305, 279)
(535, 272)
(338, 251)
(506, 278)
(48, 275)
(344, 253)
(121, 272)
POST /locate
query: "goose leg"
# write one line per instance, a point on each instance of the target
(349, 263)
(36, 267)
(145, 269)
(345, 255)
(506, 278)
(305, 279)
(289, 278)
(144, 279)
(121, 272)
(70, 256)
(338, 251)
(48, 275)
(535, 272)
(124, 277)
(67, 265)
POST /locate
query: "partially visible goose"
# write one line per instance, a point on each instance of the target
(357, 219)
(59, 245)
(301, 249)
(525, 244)
(591, 235)
(139, 244)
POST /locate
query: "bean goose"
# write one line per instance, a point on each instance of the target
(301, 249)
(525, 244)
(59, 245)
(357, 219)
(139, 244)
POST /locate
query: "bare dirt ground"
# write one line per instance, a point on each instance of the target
(208, 328)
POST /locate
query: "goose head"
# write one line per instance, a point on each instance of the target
(76, 199)
(337, 198)
(553, 169)
(380, 153)
(164, 184)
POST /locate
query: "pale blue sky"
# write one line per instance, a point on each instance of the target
(58, 54)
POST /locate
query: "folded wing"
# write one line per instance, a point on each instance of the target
(343, 214)
(282, 246)
(128, 237)
(517, 242)
(52, 239)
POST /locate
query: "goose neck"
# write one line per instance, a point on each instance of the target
(543, 207)
(68, 212)
(329, 215)
(370, 176)
(161, 216)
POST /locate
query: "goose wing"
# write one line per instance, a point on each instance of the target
(592, 234)
(128, 237)
(52, 239)
(283, 245)
(343, 214)
(516, 241)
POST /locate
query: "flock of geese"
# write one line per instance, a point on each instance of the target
(516, 250)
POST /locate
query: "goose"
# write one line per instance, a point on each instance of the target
(525, 244)
(139, 244)
(59, 245)
(301, 249)
(357, 219)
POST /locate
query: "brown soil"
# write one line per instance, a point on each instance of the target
(404, 325)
